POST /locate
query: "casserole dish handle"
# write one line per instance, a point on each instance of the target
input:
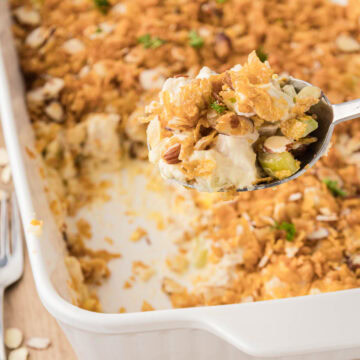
(308, 324)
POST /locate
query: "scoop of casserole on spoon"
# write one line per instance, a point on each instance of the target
(244, 129)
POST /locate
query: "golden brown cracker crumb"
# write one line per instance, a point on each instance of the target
(138, 234)
(143, 271)
(109, 240)
(177, 263)
(146, 306)
(30, 153)
(127, 285)
(84, 228)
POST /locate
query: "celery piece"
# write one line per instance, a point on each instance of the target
(311, 125)
(201, 258)
(279, 165)
(200, 253)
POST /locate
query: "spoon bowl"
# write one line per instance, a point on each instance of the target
(328, 116)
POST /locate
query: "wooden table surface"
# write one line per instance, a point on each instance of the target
(24, 310)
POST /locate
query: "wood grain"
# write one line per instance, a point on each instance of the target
(23, 309)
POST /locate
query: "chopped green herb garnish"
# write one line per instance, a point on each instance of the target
(102, 5)
(218, 107)
(333, 186)
(195, 40)
(221, 1)
(98, 30)
(294, 99)
(233, 100)
(157, 42)
(289, 228)
(150, 42)
(261, 54)
(145, 40)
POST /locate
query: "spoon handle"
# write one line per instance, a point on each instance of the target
(346, 111)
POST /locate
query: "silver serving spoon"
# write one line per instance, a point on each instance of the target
(328, 116)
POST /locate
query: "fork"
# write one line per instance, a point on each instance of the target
(11, 253)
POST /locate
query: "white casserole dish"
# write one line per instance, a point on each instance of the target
(312, 327)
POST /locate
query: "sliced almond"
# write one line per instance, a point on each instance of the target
(268, 220)
(135, 56)
(13, 338)
(53, 87)
(19, 354)
(100, 69)
(37, 37)
(152, 78)
(119, 8)
(289, 90)
(84, 71)
(325, 211)
(27, 15)
(55, 111)
(38, 343)
(309, 92)
(263, 261)
(331, 217)
(35, 96)
(222, 47)
(295, 196)
(50, 90)
(232, 124)
(171, 156)
(276, 144)
(268, 129)
(318, 234)
(291, 251)
(73, 46)
(99, 31)
(347, 43)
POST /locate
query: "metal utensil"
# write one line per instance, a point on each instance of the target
(11, 253)
(328, 116)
